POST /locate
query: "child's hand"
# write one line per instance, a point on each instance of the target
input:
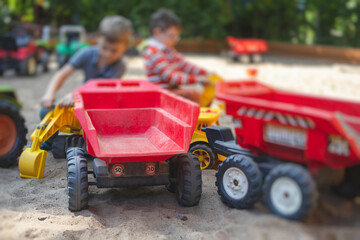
(47, 101)
(203, 79)
(67, 101)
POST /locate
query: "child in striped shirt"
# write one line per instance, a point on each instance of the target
(164, 65)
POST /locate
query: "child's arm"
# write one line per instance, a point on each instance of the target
(56, 82)
(189, 67)
(161, 71)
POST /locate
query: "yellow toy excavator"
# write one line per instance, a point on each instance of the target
(32, 160)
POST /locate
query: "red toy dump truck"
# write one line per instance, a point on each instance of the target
(136, 134)
(287, 135)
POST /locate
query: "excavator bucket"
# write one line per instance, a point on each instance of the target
(32, 160)
(209, 91)
(32, 163)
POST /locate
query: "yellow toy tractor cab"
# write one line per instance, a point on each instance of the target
(199, 142)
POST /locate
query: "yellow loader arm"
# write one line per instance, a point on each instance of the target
(209, 91)
(32, 160)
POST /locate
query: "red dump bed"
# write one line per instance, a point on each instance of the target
(298, 127)
(126, 121)
(247, 45)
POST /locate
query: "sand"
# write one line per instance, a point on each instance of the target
(37, 209)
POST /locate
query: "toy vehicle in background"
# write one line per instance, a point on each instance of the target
(199, 143)
(72, 39)
(246, 49)
(18, 51)
(131, 143)
(290, 135)
(12, 127)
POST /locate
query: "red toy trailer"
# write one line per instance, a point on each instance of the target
(137, 134)
(246, 49)
(279, 127)
(134, 132)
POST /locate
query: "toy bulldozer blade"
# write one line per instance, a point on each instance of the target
(32, 160)
(209, 91)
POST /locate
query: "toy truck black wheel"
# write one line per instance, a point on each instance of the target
(244, 58)
(189, 183)
(28, 66)
(239, 182)
(290, 192)
(349, 188)
(231, 56)
(12, 133)
(63, 142)
(256, 58)
(43, 57)
(58, 148)
(77, 179)
(205, 155)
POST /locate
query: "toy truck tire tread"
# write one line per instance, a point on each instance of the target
(62, 143)
(189, 185)
(58, 147)
(254, 178)
(77, 179)
(24, 70)
(12, 111)
(305, 182)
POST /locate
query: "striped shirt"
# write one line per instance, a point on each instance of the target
(168, 67)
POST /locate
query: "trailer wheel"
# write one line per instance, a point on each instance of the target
(28, 66)
(290, 192)
(63, 142)
(171, 186)
(58, 147)
(205, 155)
(42, 55)
(77, 179)
(189, 184)
(244, 58)
(350, 187)
(239, 181)
(256, 58)
(12, 133)
(232, 56)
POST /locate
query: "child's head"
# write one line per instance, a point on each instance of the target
(165, 26)
(115, 34)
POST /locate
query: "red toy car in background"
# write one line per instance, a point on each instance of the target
(246, 49)
(288, 136)
(19, 52)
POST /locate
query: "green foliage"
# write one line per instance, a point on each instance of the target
(5, 17)
(332, 22)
